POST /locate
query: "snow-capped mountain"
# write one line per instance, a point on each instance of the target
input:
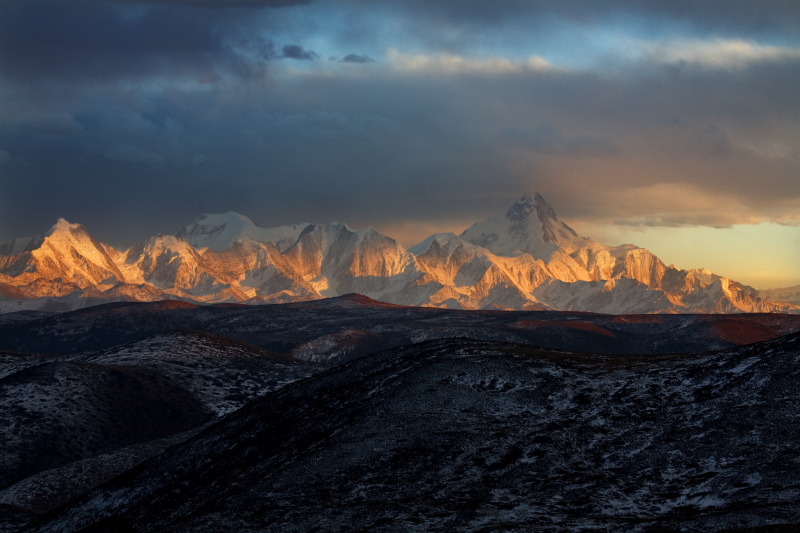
(522, 257)
(336, 260)
(787, 294)
(469, 276)
(66, 264)
(219, 232)
(529, 226)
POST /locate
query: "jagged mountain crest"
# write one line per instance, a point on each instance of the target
(522, 257)
(530, 226)
(67, 254)
(552, 230)
(220, 231)
(166, 262)
(783, 294)
(336, 259)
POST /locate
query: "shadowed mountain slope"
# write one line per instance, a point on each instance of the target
(339, 329)
(464, 435)
(68, 423)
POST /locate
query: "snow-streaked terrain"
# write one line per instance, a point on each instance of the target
(220, 373)
(522, 257)
(68, 423)
(342, 328)
(460, 435)
(219, 232)
(787, 294)
(116, 384)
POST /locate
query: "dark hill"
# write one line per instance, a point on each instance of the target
(68, 423)
(340, 329)
(459, 435)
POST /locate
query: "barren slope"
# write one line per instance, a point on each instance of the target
(463, 435)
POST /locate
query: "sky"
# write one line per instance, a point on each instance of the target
(670, 124)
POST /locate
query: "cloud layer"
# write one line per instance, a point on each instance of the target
(135, 118)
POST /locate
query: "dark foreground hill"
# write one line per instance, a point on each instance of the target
(459, 435)
(68, 423)
(340, 329)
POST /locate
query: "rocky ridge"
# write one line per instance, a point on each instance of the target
(523, 257)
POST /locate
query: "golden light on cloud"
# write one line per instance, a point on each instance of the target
(718, 53)
(685, 205)
(456, 64)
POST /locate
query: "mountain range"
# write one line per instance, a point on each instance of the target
(521, 258)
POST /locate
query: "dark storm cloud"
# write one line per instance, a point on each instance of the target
(57, 124)
(548, 140)
(464, 25)
(731, 15)
(133, 154)
(150, 119)
(356, 58)
(295, 51)
(228, 3)
(385, 147)
(69, 41)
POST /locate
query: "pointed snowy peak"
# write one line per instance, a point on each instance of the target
(69, 252)
(530, 225)
(441, 240)
(522, 213)
(64, 227)
(219, 231)
(216, 231)
(554, 231)
(64, 235)
(158, 245)
(523, 208)
(369, 236)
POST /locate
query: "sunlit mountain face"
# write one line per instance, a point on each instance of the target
(522, 257)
